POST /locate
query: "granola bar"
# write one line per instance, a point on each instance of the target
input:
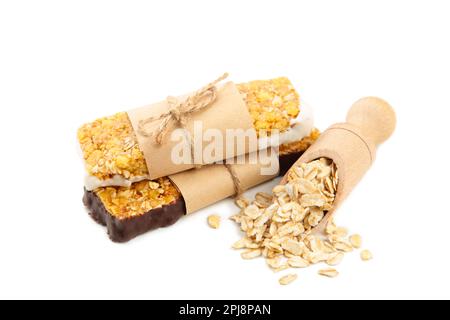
(112, 155)
(130, 211)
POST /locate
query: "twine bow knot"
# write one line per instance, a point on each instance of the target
(175, 112)
(180, 111)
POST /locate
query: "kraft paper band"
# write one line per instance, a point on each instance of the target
(210, 184)
(229, 111)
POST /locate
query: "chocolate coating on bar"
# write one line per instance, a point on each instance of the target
(287, 161)
(123, 230)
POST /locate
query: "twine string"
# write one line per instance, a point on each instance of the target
(238, 190)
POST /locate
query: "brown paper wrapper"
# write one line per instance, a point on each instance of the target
(228, 111)
(210, 184)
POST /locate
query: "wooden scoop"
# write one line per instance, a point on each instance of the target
(352, 145)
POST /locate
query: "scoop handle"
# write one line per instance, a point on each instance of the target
(374, 117)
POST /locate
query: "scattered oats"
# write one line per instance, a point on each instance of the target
(279, 189)
(315, 257)
(242, 202)
(264, 199)
(289, 192)
(275, 263)
(251, 254)
(236, 218)
(306, 186)
(298, 262)
(252, 245)
(262, 219)
(335, 259)
(329, 185)
(333, 238)
(328, 247)
(260, 233)
(272, 254)
(292, 246)
(330, 273)
(278, 226)
(315, 216)
(281, 268)
(288, 254)
(298, 171)
(285, 280)
(343, 246)
(273, 229)
(214, 221)
(306, 225)
(252, 211)
(310, 172)
(366, 255)
(324, 172)
(244, 226)
(315, 244)
(297, 230)
(276, 248)
(312, 200)
(356, 241)
(240, 244)
(331, 227)
(341, 232)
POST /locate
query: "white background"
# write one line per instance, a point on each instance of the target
(63, 63)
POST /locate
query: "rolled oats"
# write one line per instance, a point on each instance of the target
(279, 190)
(330, 227)
(251, 254)
(252, 211)
(310, 172)
(315, 257)
(275, 263)
(312, 200)
(298, 262)
(343, 246)
(236, 218)
(278, 226)
(214, 221)
(242, 202)
(356, 241)
(335, 259)
(306, 186)
(283, 267)
(263, 199)
(287, 279)
(366, 255)
(330, 273)
(315, 216)
(292, 246)
(341, 232)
